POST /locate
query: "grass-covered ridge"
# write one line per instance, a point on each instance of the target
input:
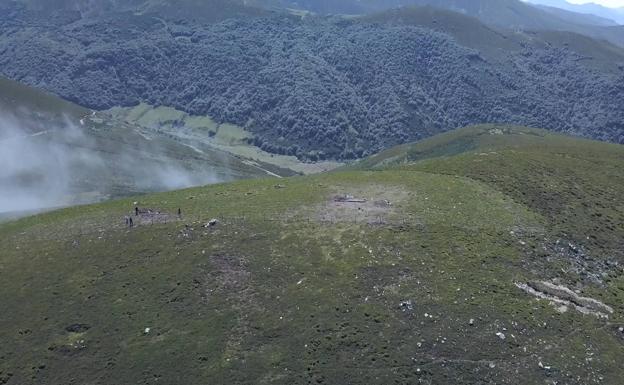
(406, 272)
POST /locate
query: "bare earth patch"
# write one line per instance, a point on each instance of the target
(150, 217)
(372, 204)
(229, 278)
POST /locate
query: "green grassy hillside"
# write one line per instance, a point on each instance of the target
(423, 264)
(26, 100)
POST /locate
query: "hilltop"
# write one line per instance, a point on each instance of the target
(421, 264)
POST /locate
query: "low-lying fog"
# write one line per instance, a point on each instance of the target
(45, 165)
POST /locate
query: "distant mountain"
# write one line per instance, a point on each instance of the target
(578, 18)
(588, 8)
(510, 14)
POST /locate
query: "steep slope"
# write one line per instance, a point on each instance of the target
(27, 101)
(56, 153)
(328, 88)
(511, 14)
(494, 43)
(425, 270)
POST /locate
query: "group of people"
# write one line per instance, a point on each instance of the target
(130, 221)
(128, 218)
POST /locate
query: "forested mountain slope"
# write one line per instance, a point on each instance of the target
(197, 10)
(323, 87)
(513, 14)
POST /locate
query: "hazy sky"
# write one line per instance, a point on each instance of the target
(606, 3)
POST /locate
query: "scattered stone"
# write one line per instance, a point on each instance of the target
(562, 309)
(79, 345)
(471, 322)
(621, 329)
(406, 306)
(348, 199)
(501, 335)
(146, 331)
(383, 203)
(211, 223)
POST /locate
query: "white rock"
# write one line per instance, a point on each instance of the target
(471, 322)
(146, 331)
(500, 335)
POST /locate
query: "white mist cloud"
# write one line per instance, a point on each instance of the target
(45, 165)
(33, 174)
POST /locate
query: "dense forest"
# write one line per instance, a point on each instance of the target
(314, 87)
